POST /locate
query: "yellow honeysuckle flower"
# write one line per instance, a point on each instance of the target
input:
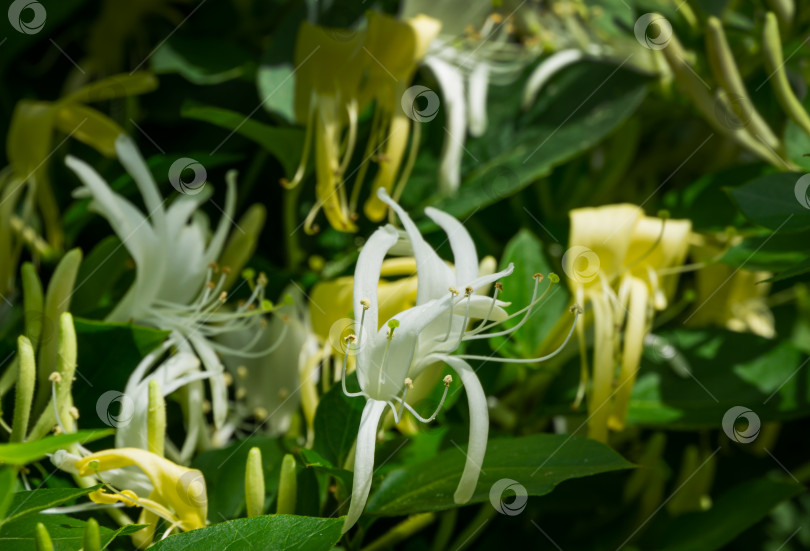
(179, 494)
(613, 262)
(339, 74)
(729, 297)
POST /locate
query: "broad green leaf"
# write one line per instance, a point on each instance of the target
(734, 511)
(276, 532)
(337, 420)
(27, 452)
(727, 369)
(34, 501)
(277, 85)
(537, 462)
(796, 270)
(525, 250)
(224, 471)
(283, 143)
(98, 273)
(771, 201)
(578, 108)
(314, 460)
(102, 345)
(66, 532)
(773, 251)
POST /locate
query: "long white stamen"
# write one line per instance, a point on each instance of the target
(528, 312)
(453, 294)
(576, 309)
(447, 380)
(349, 340)
(498, 287)
(525, 310)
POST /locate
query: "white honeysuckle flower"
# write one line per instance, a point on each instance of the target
(389, 359)
(268, 376)
(181, 370)
(177, 286)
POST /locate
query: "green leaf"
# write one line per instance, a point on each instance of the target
(283, 143)
(104, 344)
(734, 511)
(337, 420)
(774, 251)
(537, 462)
(801, 268)
(28, 452)
(98, 273)
(224, 471)
(276, 532)
(578, 108)
(34, 501)
(66, 532)
(525, 250)
(727, 369)
(771, 201)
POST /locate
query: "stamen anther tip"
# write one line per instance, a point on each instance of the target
(447, 380)
(576, 309)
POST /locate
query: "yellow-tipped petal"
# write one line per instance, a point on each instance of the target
(178, 488)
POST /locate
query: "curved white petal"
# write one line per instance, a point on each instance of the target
(218, 239)
(477, 90)
(434, 275)
(367, 278)
(451, 81)
(547, 69)
(479, 428)
(364, 460)
(465, 258)
(132, 160)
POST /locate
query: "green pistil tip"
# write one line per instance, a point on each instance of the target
(554, 278)
(267, 305)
